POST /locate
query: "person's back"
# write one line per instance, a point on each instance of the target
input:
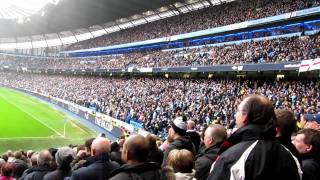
(155, 154)
(147, 170)
(43, 167)
(251, 152)
(7, 171)
(193, 134)
(63, 157)
(183, 142)
(255, 158)
(99, 169)
(98, 166)
(134, 153)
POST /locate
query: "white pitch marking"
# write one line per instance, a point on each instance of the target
(31, 116)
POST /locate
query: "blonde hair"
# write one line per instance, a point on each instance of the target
(181, 160)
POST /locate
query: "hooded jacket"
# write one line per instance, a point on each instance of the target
(251, 153)
(182, 142)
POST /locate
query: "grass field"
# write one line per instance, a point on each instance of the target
(28, 123)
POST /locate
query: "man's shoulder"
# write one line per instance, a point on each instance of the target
(310, 163)
(121, 176)
(237, 150)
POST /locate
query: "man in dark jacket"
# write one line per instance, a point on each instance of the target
(134, 154)
(44, 160)
(155, 154)
(286, 125)
(177, 135)
(63, 157)
(193, 134)
(98, 166)
(251, 152)
(307, 143)
(115, 154)
(213, 138)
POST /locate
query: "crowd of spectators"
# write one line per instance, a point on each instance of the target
(261, 140)
(154, 101)
(263, 51)
(215, 16)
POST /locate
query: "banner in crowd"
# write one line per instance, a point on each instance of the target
(309, 65)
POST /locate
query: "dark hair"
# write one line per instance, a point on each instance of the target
(88, 143)
(7, 169)
(115, 147)
(5, 157)
(65, 164)
(152, 141)
(286, 122)
(312, 137)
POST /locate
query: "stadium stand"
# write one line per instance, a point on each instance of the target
(155, 101)
(273, 50)
(216, 16)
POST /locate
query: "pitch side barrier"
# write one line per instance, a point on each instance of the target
(110, 124)
(284, 66)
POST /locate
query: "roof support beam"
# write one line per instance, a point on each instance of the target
(174, 8)
(211, 2)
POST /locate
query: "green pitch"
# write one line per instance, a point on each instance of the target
(28, 123)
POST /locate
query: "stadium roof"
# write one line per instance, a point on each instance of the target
(71, 21)
(18, 9)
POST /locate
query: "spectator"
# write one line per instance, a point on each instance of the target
(63, 157)
(155, 154)
(41, 169)
(98, 166)
(134, 154)
(115, 154)
(193, 134)
(307, 143)
(312, 121)
(286, 125)
(7, 170)
(254, 154)
(177, 134)
(82, 154)
(182, 163)
(19, 167)
(213, 139)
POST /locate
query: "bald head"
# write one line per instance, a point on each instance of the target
(214, 134)
(44, 158)
(255, 109)
(99, 146)
(135, 149)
